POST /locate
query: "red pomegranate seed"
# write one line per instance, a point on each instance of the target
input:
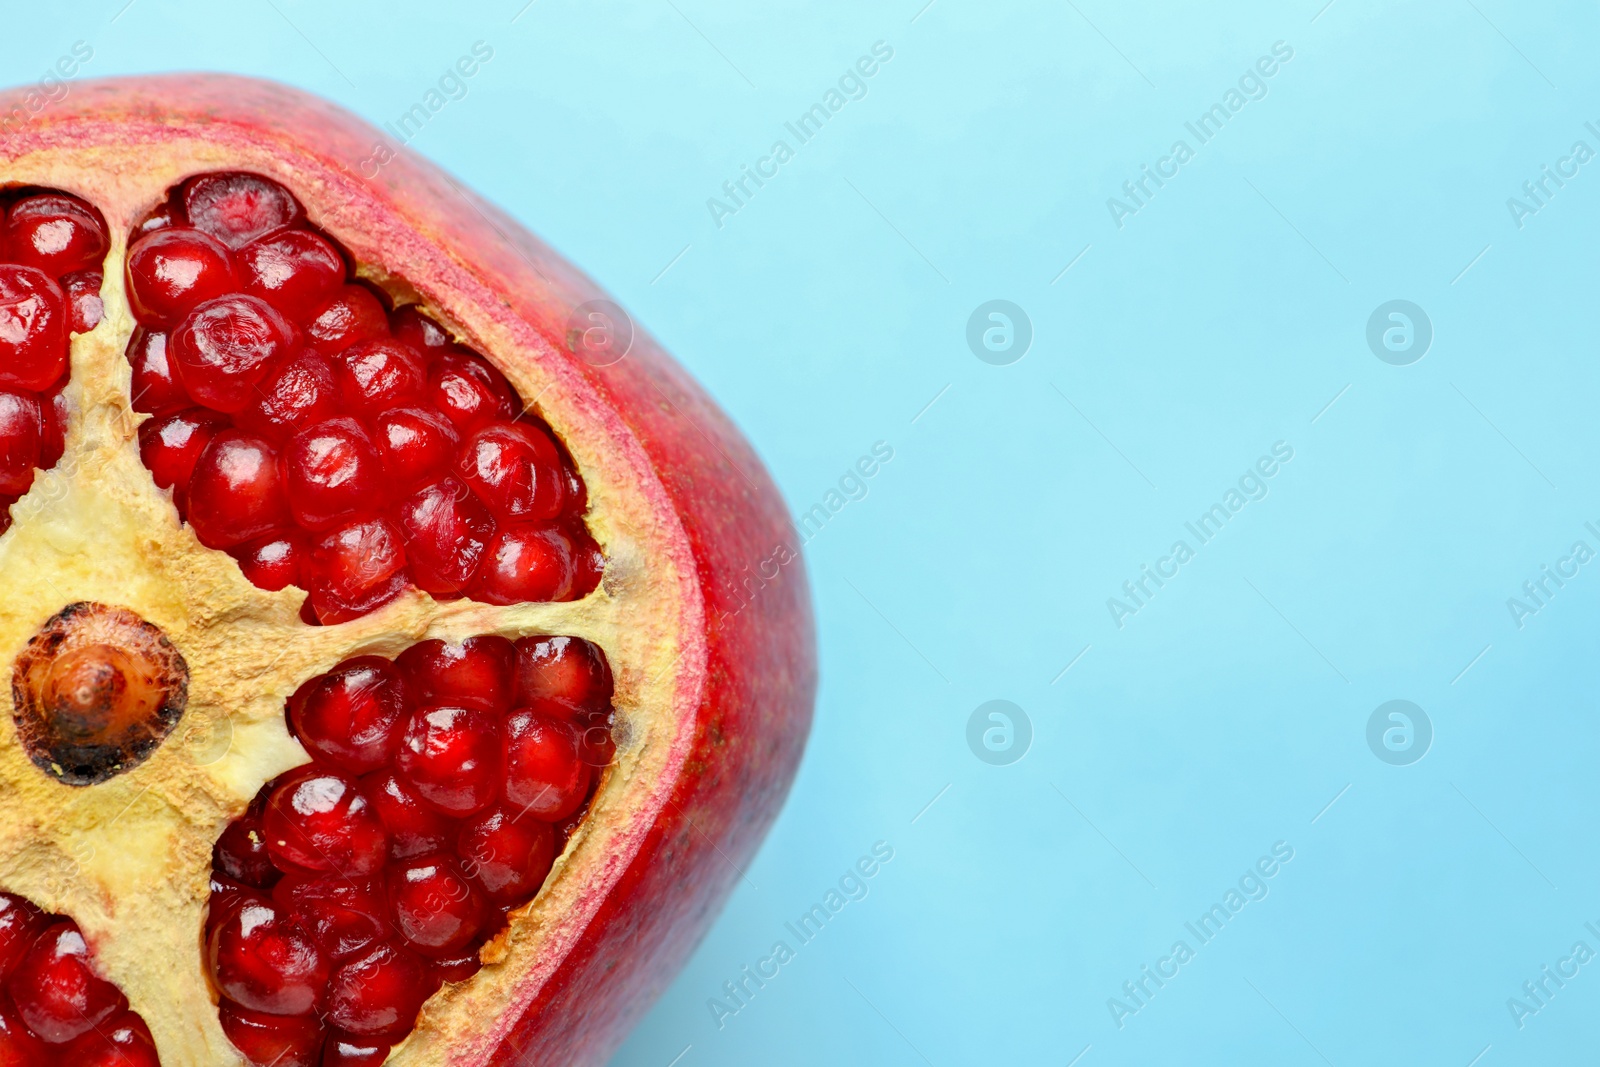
(297, 391)
(241, 855)
(508, 857)
(469, 391)
(56, 233)
(347, 1050)
(352, 717)
(515, 469)
(332, 473)
(225, 893)
(296, 272)
(415, 828)
(588, 562)
(354, 569)
(174, 270)
(451, 756)
(353, 315)
(567, 669)
(526, 563)
(236, 493)
(238, 208)
(324, 608)
(83, 299)
(56, 992)
(155, 390)
(577, 494)
(417, 447)
(598, 746)
(318, 820)
(410, 325)
(475, 673)
(342, 915)
(53, 417)
(18, 1047)
(447, 532)
(459, 968)
(261, 959)
(266, 1040)
(20, 923)
(379, 992)
(225, 346)
(123, 1042)
(160, 218)
(545, 774)
(33, 328)
(275, 562)
(434, 907)
(377, 375)
(20, 431)
(171, 445)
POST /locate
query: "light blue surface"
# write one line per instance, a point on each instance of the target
(1227, 314)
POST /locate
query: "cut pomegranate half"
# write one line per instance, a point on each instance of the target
(393, 684)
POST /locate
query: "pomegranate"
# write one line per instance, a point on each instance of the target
(391, 683)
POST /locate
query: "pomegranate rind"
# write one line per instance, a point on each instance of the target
(704, 611)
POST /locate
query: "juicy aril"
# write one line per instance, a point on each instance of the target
(393, 680)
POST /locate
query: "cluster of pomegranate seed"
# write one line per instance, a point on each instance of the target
(325, 440)
(441, 788)
(54, 1008)
(51, 249)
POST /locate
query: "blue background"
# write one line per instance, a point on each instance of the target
(1227, 314)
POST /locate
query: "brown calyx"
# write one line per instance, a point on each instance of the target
(95, 691)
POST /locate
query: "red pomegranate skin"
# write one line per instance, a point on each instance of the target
(749, 659)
